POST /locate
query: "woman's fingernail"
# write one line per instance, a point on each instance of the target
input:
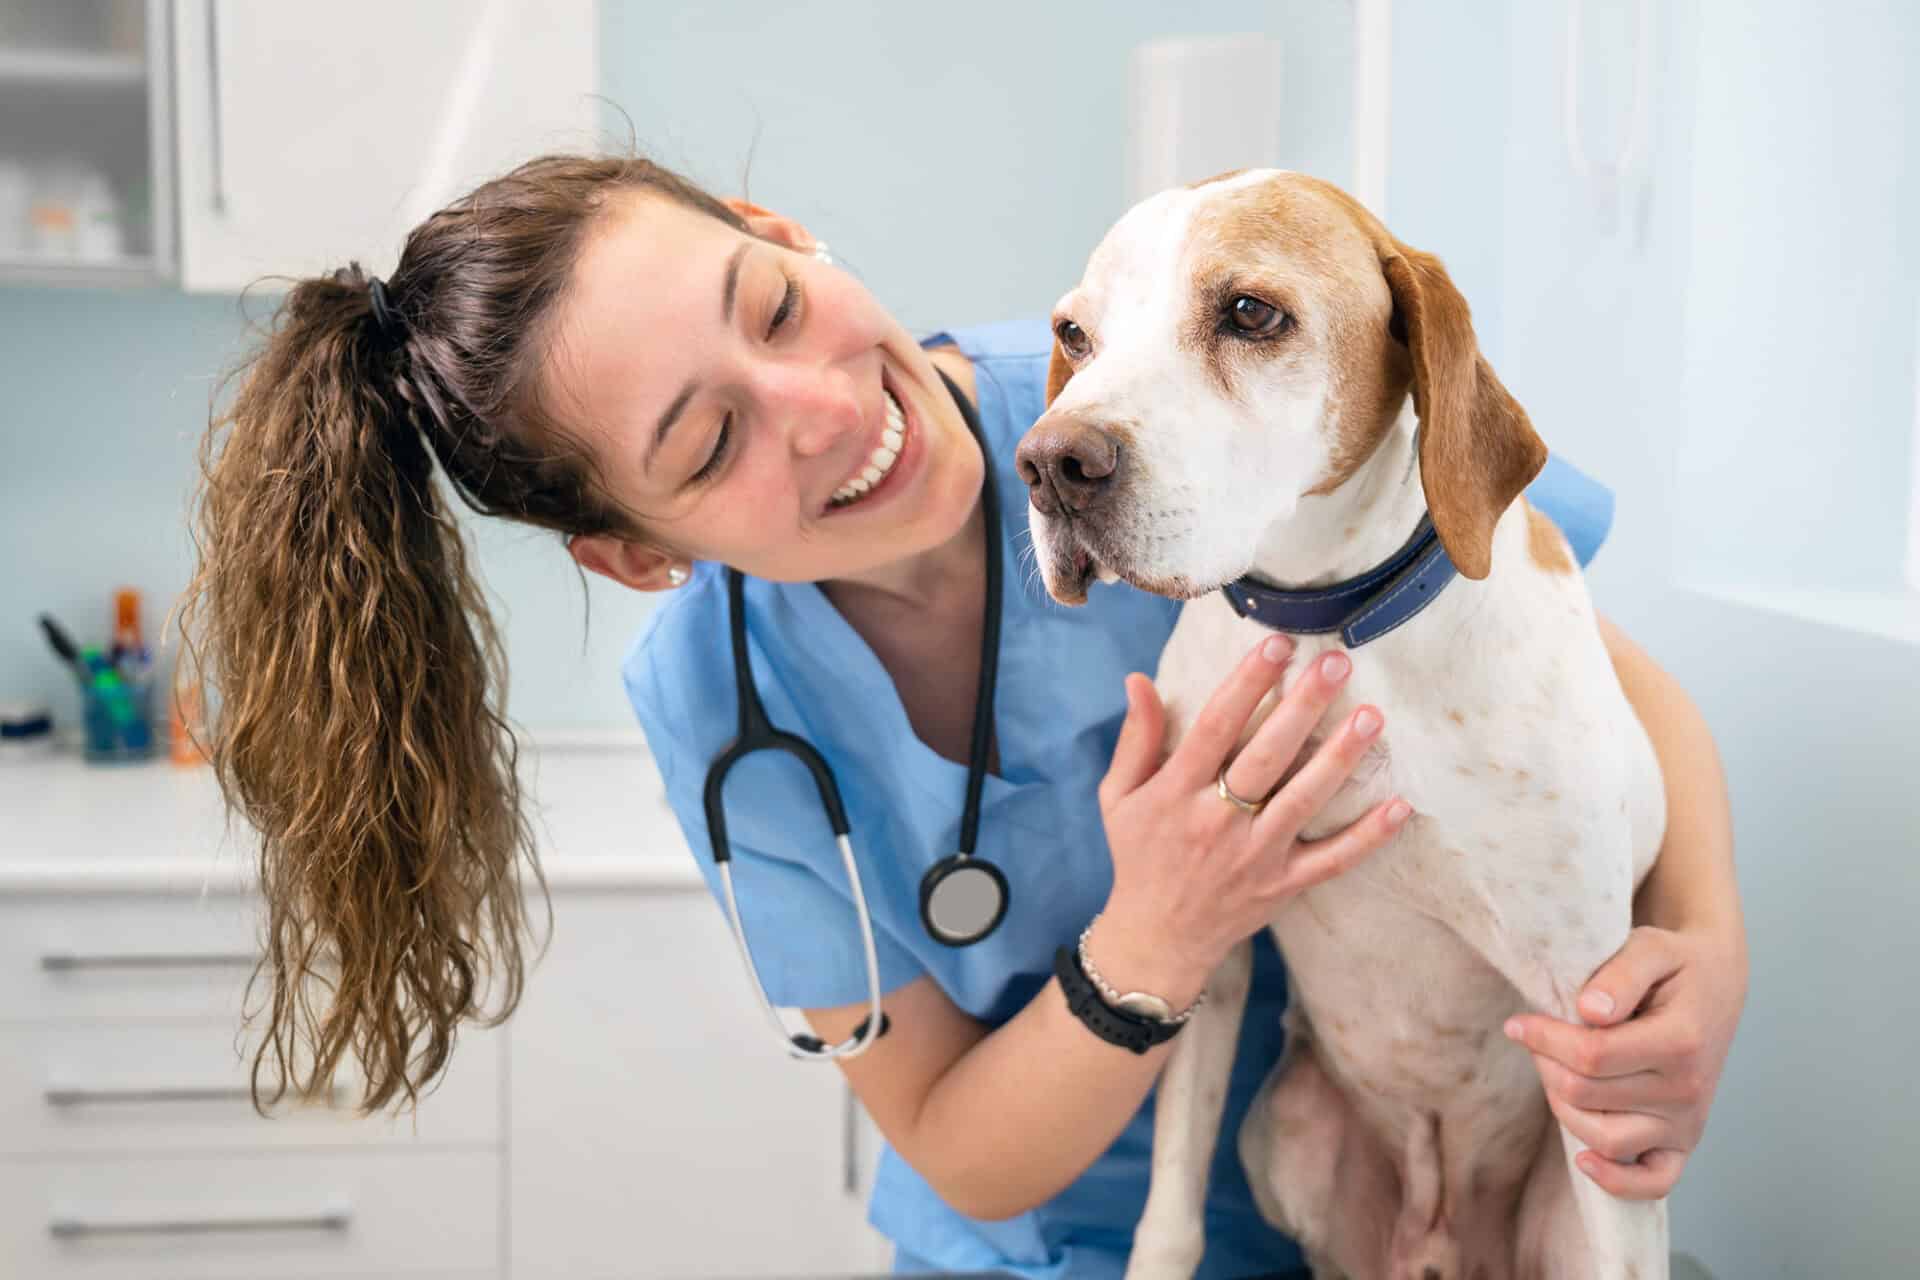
(1276, 649)
(1366, 722)
(1335, 665)
(1397, 812)
(1600, 1002)
(1512, 1028)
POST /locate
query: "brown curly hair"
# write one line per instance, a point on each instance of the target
(335, 619)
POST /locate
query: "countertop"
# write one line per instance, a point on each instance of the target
(599, 817)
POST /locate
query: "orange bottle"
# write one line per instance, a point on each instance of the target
(186, 719)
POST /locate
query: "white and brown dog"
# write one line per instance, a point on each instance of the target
(1243, 370)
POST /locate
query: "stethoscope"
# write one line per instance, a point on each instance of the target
(962, 897)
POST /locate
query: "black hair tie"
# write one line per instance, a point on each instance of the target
(386, 317)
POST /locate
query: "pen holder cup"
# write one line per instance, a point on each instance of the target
(118, 715)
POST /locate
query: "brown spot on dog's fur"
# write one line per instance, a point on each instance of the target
(1545, 544)
(1463, 771)
(1521, 775)
(1218, 177)
(1293, 242)
(1059, 371)
(1551, 796)
(1457, 717)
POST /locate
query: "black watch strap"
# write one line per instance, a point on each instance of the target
(1115, 1026)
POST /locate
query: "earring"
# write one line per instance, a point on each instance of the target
(822, 253)
(676, 575)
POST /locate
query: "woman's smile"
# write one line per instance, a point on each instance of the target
(887, 466)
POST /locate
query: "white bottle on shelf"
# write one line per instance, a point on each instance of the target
(16, 197)
(98, 233)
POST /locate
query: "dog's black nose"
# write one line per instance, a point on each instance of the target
(1067, 464)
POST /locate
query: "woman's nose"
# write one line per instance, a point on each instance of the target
(818, 403)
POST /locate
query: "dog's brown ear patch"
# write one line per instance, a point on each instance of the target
(1478, 451)
(1545, 542)
(1059, 371)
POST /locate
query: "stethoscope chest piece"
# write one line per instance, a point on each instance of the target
(962, 899)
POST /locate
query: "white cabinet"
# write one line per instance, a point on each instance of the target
(655, 1126)
(129, 1145)
(86, 142)
(311, 134)
(635, 1117)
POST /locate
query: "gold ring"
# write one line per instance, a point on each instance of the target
(1249, 807)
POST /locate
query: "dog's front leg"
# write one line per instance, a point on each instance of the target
(1171, 1236)
(1622, 1239)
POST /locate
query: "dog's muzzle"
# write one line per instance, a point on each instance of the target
(1069, 465)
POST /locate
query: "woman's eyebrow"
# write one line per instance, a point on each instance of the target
(728, 288)
(733, 281)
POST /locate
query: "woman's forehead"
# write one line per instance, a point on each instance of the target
(645, 294)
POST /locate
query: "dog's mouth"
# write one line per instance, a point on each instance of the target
(1077, 560)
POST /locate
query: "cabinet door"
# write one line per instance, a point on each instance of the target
(655, 1126)
(311, 134)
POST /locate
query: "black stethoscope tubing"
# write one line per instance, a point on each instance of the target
(757, 733)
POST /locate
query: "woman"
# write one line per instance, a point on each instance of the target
(676, 384)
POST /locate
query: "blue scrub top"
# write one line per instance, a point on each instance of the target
(1057, 714)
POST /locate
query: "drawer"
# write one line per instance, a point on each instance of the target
(315, 1214)
(182, 1086)
(124, 956)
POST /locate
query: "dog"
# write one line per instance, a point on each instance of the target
(1401, 1135)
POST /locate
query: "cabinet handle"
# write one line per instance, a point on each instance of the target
(171, 1093)
(66, 962)
(216, 164)
(73, 1228)
(59, 1096)
(850, 1143)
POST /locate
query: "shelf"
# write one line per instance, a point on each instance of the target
(17, 270)
(43, 68)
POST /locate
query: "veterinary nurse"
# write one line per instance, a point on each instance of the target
(683, 386)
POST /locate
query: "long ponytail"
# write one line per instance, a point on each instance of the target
(356, 664)
(336, 623)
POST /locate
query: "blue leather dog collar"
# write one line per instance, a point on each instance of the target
(1362, 608)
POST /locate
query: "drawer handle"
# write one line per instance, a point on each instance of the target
(67, 962)
(68, 1097)
(181, 1093)
(75, 1228)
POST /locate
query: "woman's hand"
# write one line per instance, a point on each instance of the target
(1192, 874)
(1636, 1082)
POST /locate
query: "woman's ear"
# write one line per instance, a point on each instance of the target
(769, 225)
(631, 564)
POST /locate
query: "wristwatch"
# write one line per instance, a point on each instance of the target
(1144, 1003)
(1136, 1020)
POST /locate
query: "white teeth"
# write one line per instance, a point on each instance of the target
(881, 460)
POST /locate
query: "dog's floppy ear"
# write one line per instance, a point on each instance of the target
(1477, 449)
(1058, 372)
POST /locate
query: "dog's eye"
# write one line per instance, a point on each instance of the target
(1252, 316)
(1073, 339)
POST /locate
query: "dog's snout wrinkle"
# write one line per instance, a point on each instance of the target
(1069, 465)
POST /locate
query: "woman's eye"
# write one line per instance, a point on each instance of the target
(1073, 339)
(1255, 318)
(714, 459)
(785, 309)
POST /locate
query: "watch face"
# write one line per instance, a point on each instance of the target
(1147, 1006)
